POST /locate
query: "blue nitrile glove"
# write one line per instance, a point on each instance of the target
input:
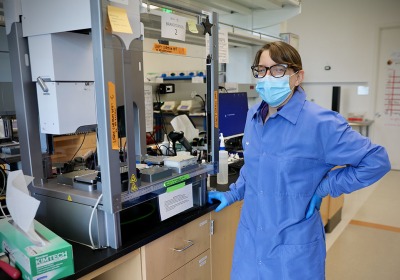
(218, 196)
(315, 203)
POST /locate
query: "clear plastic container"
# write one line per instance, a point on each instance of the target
(222, 175)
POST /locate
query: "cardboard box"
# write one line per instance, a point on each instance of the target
(52, 261)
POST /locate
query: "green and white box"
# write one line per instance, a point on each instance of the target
(54, 260)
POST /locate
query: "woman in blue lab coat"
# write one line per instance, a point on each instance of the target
(290, 148)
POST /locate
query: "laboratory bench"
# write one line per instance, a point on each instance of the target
(157, 250)
(87, 260)
(95, 264)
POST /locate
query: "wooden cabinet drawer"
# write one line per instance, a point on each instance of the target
(173, 250)
(197, 269)
(223, 240)
(126, 267)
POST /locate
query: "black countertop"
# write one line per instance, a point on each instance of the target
(87, 260)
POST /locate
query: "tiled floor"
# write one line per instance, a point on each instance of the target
(366, 243)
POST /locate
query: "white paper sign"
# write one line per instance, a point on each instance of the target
(148, 104)
(175, 202)
(223, 48)
(197, 80)
(173, 27)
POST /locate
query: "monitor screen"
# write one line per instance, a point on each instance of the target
(233, 109)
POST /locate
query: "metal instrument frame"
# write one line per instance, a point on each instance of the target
(107, 224)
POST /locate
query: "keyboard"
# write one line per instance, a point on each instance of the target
(237, 164)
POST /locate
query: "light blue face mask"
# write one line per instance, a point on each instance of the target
(273, 90)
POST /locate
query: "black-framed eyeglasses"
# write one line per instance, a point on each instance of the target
(277, 70)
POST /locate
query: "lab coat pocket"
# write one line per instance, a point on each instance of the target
(296, 176)
(306, 261)
(244, 246)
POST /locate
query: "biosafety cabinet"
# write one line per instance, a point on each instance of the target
(74, 71)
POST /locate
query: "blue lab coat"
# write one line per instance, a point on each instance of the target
(285, 160)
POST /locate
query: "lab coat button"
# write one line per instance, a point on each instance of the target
(259, 262)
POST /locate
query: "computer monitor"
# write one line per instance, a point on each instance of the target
(233, 109)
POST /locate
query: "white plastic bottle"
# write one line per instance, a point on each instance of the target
(222, 176)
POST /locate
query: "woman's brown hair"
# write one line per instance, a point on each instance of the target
(281, 53)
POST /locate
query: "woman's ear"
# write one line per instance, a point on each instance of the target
(299, 77)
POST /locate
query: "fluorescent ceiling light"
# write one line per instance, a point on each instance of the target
(152, 7)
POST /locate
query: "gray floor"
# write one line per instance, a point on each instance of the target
(369, 246)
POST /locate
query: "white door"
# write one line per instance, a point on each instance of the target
(387, 121)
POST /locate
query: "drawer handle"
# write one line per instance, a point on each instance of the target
(190, 244)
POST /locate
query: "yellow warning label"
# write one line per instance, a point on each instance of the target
(133, 181)
(169, 49)
(112, 100)
(69, 198)
(216, 108)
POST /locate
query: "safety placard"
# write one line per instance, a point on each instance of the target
(169, 49)
(176, 200)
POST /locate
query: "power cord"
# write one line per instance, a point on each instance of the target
(221, 87)
(169, 149)
(204, 102)
(90, 224)
(84, 137)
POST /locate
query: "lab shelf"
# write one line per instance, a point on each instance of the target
(172, 78)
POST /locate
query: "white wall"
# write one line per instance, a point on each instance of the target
(238, 68)
(342, 34)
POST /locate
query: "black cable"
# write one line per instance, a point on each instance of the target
(221, 87)
(169, 149)
(155, 142)
(204, 102)
(84, 136)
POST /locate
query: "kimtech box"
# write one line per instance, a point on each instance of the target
(54, 260)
